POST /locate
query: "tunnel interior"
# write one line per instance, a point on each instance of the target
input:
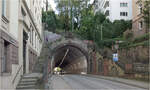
(70, 59)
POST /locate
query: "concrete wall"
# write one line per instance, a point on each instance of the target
(78, 65)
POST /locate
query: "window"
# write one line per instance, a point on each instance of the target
(23, 12)
(123, 13)
(4, 7)
(140, 25)
(123, 4)
(32, 36)
(5, 59)
(35, 40)
(30, 33)
(106, 4)
(140, 9)
(107, 13)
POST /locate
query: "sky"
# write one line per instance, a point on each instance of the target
(53, 5)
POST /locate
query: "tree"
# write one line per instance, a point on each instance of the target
(90, 26)
(97, 26)
(44, 14)
(69, 11)
(86, 26)
(46, 5)
(49, 18)
(146, 12)
(120, 26)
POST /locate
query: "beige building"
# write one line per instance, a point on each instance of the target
(20, 39)
(138, 21)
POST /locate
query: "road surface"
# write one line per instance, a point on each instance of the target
(78, 82)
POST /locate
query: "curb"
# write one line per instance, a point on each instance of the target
(146, 86)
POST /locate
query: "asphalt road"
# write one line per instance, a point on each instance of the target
(78, 82)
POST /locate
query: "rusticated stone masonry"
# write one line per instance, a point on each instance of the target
(32, 59)
(8, 52)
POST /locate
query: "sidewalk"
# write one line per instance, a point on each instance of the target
(122, 80)
(57, 83)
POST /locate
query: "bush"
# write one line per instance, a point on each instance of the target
(128, 35)
(142, 38)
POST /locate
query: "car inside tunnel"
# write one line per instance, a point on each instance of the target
(70, 59)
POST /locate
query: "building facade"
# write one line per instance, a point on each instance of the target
(20, 39)
(115, 9)
(138, 25)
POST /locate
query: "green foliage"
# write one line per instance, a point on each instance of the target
(49, 18)
(120, 26)
(69, 11)
(97, 27)
(44, 14)
(88, 25)
(128, 35)
(139, 41)
(142, 38)
(146, 12)
(144, 43)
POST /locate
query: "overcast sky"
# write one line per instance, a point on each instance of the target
(53, 5)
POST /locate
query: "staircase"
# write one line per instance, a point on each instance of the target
(28, 81)
(115, 69)
(121, 65)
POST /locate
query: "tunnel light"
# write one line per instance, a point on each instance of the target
(83, 72)
(57, 69)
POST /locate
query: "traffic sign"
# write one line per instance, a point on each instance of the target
(115, 57)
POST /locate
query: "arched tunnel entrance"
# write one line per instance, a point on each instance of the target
(71, 58)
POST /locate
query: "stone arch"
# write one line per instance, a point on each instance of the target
(78, 47)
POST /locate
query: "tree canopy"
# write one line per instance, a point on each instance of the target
(49, 18)
(69, 12)
(78, 17)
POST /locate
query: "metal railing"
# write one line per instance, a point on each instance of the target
(121, 65)
(17, 74)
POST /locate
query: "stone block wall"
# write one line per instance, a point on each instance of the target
(12, 52)
(32, 59)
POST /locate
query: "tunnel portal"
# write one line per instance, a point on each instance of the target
(72, 58)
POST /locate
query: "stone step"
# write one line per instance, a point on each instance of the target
(26, 87)
(33, 75)
(27, 83)
(29, 80)
(29, 77)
